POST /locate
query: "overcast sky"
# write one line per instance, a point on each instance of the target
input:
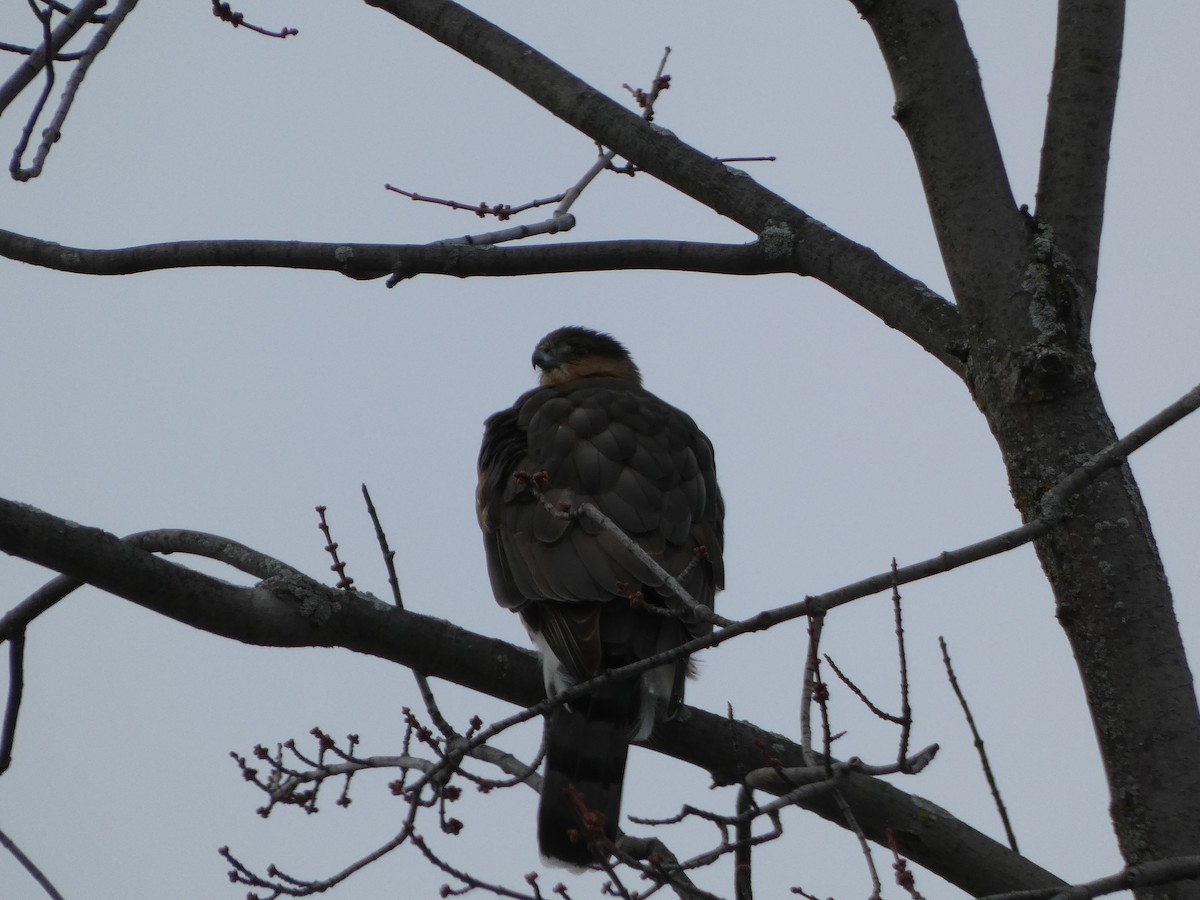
(234, 401)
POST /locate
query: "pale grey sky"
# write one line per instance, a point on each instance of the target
(234, 401)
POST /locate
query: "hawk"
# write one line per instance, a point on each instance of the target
(590, 434)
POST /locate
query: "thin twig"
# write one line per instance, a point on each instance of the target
(466, 878)
(560, 220)
(904, 876)
(983, 758)
(27, 863)
(225, 13)
(815, 689)
(389, 560)
(53, 131)
(773, 778)
(704, 613)
(502, 211)
(344, 582)
(75, 19)
(655, 860)
(905, 706)
(12, 708)
(6, 47)
(389, 555)
(861, 694)
(816, 623)
(47, 62)
(537, 483)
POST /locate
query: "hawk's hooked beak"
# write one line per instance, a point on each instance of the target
(543, 359)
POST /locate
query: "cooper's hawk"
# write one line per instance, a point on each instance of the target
(591, 434)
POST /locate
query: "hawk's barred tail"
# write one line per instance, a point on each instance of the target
(586, 748)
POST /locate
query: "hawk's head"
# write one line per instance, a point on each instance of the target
(571, 353)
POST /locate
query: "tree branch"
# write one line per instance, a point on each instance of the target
(53, 131)
(289, 611)
(364, 261)
(941, 107)
(81, 15)
(849, 268)
(34, 872)
(1075, 150)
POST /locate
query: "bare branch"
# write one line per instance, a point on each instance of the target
(776, 779)
(812, 247)
(502, 211)
(468, 880)
(290, 611)
(366, 261)
(389, 555)
(664, 866)
(671, 582)
(35, 873)
(52, 132)
(978, 740)
(16, 690)
(906, 719)
(941, 107)
(225, 13)
(1079, 117)
(81, 15)
(559, 221)
(344, 582)
(904, 878)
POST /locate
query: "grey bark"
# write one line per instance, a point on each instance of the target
(1025, 287)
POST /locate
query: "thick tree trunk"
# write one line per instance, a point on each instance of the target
(1112, 599)
(1025, 286)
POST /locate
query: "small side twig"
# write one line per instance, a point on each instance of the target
(905, 706)
(774, 777)
(816, 624)
(34, 872)
(539, 481)
(52, 132)
(904, 719)
(502, 211)
(389, 555)
(983, 759)
(645, 100)
(344, 582)
(733, 159)
(560, 219)
(226, 14)
(815, 689)
(14, 165)
(469, 882)
(389, 561)
(904, 876)
(16, 689)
